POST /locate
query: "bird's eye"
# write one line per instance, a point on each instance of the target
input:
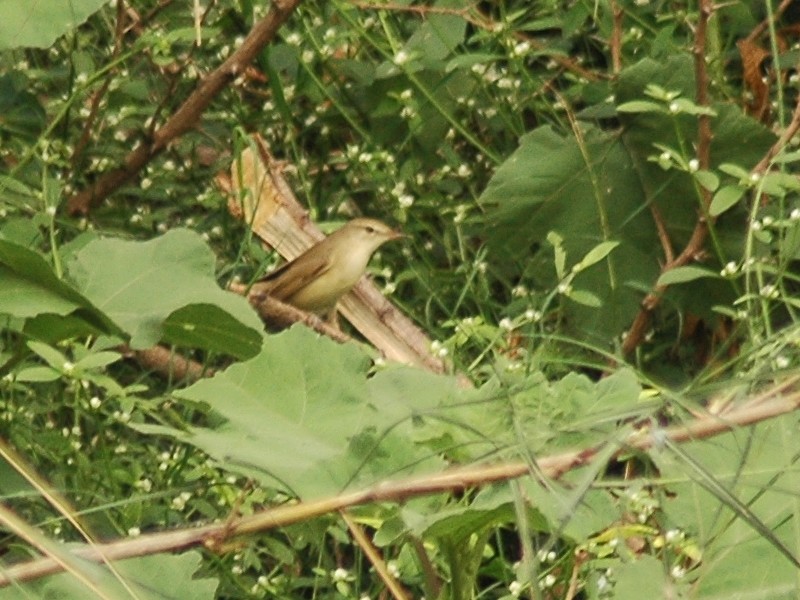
(370, 229)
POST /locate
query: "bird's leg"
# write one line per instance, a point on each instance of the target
(333, 318)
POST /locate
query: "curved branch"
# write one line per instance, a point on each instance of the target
(189, 112)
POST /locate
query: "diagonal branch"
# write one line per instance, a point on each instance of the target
(189, 112)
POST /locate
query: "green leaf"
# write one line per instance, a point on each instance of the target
(560, 256)
(37, 374)
(642, 578)
(156, 577)
(684, 105)
(52, 357)
(97, 360)
(26, 23)
(23, 116)
(641, 106)
(732, 495)
(595, 255)
(304, 416)
(210, 327)
(685, 274)
(707, 179)
(28, 287)
(139, 285)
(585, 298)
(735, 171)
(725, 198)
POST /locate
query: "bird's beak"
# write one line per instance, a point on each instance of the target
(397, 235)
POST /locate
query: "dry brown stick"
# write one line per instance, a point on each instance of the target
(189, 112)
(694, 247)
(761, 27)
(770, 403)
(780, 144)
(374, 557)
(616, 37)
(280, 314)
(168, 363)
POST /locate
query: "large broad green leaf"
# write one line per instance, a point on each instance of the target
(142, 285)
(157, 577)
(304, 416)
(547, 185)
(737, 495)
(37, 23)
(600, 188)
(29, 289)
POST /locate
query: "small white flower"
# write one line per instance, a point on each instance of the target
(781, 362)
(729, 269)
(393, 569)
(519, 291)
(521, 48)
(533, 315)
(401, 58)
(506, 324)
(694, 164)
(134, 531)
(755, 177)
(405, 201)
(340, 574)
(515, 588)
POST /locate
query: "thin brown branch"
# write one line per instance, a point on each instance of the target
(694, 247)
(374, 557)
(168, 363)
(615, 44)
(187, 115)
(770, 403)
(663, 236)
(780, 144)
(281, 315)
(762, 27)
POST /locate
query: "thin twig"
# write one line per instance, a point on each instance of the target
(187, 115)
(694, 247)
(616, 37)
(374, 557)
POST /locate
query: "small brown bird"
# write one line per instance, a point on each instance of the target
(315, 280)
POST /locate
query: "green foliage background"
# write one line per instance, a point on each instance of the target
(538, 184)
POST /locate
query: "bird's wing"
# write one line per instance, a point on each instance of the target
(283, 282)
